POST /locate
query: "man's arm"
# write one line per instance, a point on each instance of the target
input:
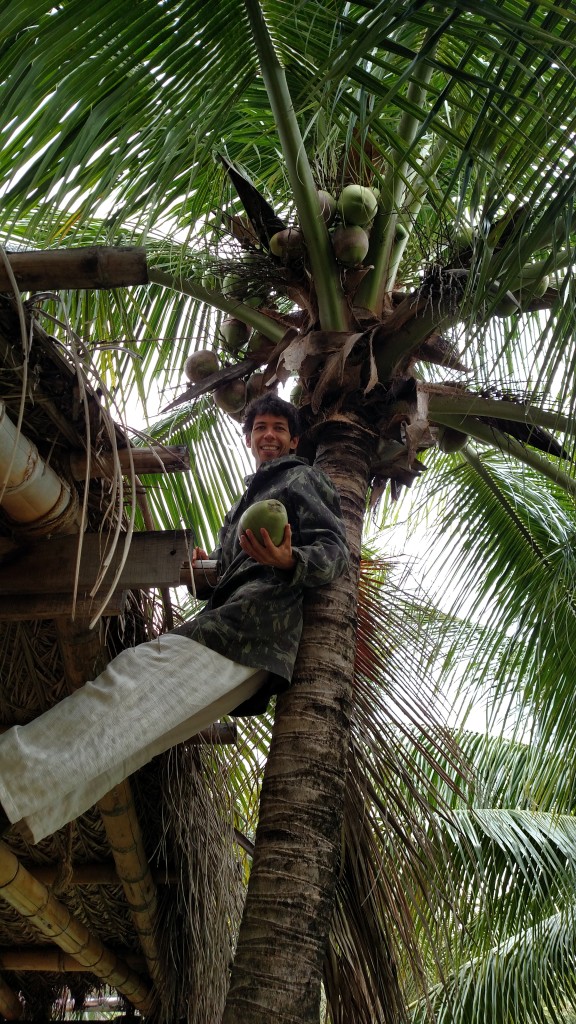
(322, 551)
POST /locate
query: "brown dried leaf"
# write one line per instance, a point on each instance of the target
(333, 372)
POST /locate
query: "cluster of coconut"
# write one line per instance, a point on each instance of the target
(349, 218)
(234, 337)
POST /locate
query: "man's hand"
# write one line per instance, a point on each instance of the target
(264, 551)
(203, 587)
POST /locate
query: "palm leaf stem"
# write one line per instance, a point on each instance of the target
(415, 194)
(475, 405)
(382, 236)
(420, 319)
(496, 438)
(331, 304)
(259, 321)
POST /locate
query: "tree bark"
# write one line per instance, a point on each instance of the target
(283, 937)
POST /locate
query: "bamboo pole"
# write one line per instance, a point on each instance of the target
(125, 838)
(30, 491)
(83, 267)
(50, 917)
(97, 873)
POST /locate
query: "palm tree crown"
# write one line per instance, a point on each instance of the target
(375, 200)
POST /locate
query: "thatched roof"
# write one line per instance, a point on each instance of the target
(174, 948)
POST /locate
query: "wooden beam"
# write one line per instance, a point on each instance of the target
(47, 566)
(53, 606)
(205, 576)
(102, 873)
(156, 459)
(84, 267)
(10, 1006)
(51, 960)
(51, 918)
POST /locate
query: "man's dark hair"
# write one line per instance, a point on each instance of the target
(273, 406)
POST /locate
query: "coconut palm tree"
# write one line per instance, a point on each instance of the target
(431, 308)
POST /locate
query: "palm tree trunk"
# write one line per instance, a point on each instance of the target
(284, 932)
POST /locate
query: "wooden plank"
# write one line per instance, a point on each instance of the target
(84, 267)
(53, 606)
(47, 566)
(53, 960)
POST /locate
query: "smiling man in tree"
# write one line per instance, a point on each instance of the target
(230, 658)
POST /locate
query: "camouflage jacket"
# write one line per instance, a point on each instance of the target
(254, 615)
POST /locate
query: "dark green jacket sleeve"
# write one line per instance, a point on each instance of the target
(319, 535)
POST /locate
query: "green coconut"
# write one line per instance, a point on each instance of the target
(200, 365)
(357, 205)
(507, 305)
(350, 245)
(451, 440)
(233, 334)
(287, 244)
(270, 515)
(234, 287)
(209, 280)
(328, 206)
(231, 397)
(259, 344)
(255, 386)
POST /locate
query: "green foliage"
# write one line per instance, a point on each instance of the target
(463, 119)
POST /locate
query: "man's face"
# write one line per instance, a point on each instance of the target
(270, 438)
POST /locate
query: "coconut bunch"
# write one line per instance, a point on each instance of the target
(235, 340)
(348, 218)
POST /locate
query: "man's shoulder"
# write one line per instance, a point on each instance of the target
(293, 468)
(298, 477)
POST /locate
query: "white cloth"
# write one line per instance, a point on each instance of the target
(147, 699)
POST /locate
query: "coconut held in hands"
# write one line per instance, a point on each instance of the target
(270, 515)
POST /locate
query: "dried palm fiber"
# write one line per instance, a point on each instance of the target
(199, 834)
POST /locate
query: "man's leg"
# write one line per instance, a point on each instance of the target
(147, 699)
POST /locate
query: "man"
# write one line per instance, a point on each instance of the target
(237, 651)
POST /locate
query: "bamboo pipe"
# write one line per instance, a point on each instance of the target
(30, 491)
(125, 838)
(50, 917)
